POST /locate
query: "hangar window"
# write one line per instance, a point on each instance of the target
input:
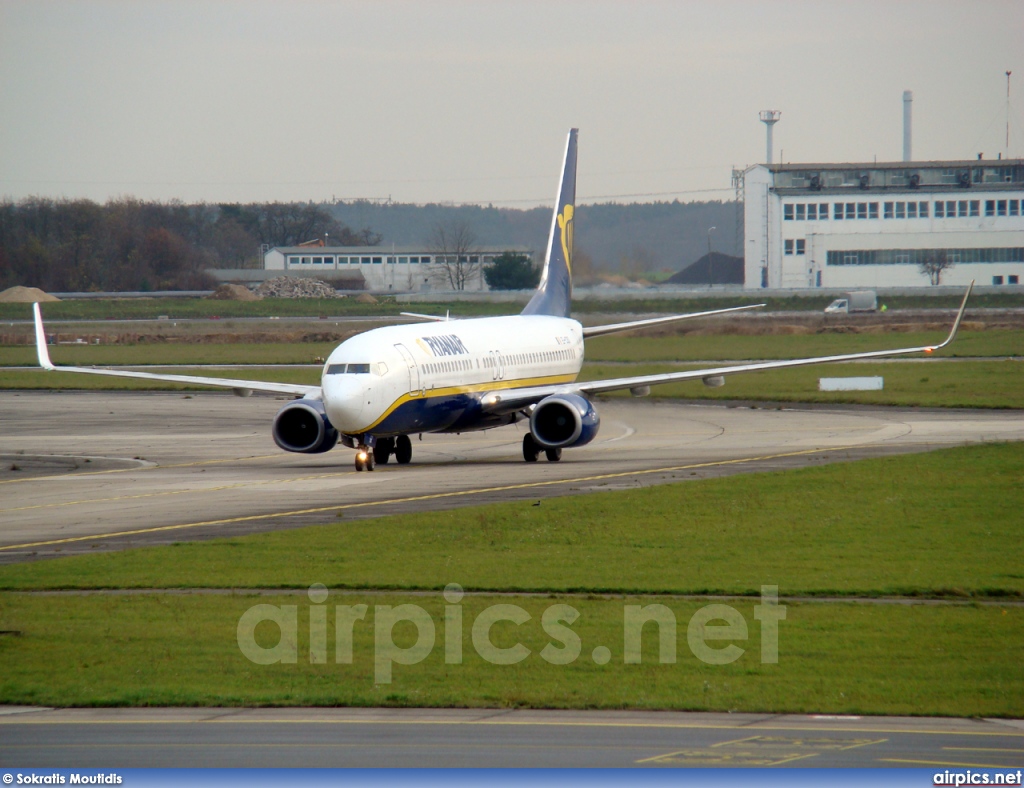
(1013, 279)
(990, 208)
(851, 210)
(872, 210)
(378, 260)
(366, 261)
(950, 209)
(1001, 208)
(812, 211)
(789, 246)
(800, 245)
(837, 210)
(403, 260)
(293, 261)
(997, 280)
(975, 207)
(911, 210)
(961, 208)
(922, 210)
(888, 210)
(862, 210)
(801, 212)
(939, 209)
(1014, 207)
(823, 210)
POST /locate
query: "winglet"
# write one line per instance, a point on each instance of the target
(959, 317)
(41, 349)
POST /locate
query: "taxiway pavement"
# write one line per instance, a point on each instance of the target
(86, 471)
(212, 737)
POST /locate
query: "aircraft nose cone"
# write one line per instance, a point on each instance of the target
(343, 401)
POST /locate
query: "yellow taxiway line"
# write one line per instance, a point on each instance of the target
(414, 498)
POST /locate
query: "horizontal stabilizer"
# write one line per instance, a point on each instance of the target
(596, 331)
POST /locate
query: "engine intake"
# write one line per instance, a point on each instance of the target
(302, 426)
(564, 420)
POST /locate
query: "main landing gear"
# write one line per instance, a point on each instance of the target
(532, 450)
(401, 447)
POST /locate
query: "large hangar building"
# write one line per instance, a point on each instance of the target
(848, 226)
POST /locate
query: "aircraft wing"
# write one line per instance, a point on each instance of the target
(239, 386)
(516, 399)
(596, 331)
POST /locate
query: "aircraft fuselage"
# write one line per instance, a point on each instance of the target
(430, 377)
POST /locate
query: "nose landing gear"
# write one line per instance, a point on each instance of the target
(365, 460)
(368, 458)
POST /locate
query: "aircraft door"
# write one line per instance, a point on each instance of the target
(414, 371)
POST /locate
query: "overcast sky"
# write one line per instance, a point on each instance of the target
(470, 101)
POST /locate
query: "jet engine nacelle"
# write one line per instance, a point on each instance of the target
(564, 420)
(303, 426)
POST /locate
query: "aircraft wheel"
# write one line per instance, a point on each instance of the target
(370, 462)
(403, 449)
(553, 455)
(531, 451)
(360, 463)
(383, 450)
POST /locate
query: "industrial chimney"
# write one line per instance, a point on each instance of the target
(908, 102)
(769, 117)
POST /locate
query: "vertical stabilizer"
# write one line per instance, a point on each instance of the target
(554, 294)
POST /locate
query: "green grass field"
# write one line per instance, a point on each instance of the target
(840, 659)
(894, 526)
(627, 348)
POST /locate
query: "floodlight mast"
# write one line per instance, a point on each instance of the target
(769, 117)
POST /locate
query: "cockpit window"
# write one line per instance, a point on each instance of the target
(351, 369)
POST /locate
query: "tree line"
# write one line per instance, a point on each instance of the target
(128, 244)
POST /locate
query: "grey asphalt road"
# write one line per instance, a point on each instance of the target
(126, 738)
(81, 472)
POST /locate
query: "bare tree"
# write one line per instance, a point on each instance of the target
(457, 258)
(934, 263)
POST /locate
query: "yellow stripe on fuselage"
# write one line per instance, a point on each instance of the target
(448, 391)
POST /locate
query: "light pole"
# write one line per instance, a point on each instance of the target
(710, 278)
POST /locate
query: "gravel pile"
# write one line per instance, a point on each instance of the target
(229, 292)
(25, 295)
(295, 287)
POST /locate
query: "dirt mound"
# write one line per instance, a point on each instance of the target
(294, 287)
(365, 298)
(228, 292)
(25, 295)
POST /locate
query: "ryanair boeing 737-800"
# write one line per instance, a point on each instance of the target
(381, 386)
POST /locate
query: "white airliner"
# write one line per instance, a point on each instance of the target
(381, 386)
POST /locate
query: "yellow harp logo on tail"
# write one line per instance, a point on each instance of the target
(565, 223)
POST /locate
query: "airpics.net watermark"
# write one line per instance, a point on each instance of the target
(566, 646)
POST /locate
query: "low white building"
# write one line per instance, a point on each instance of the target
(850, 226)
(378, 268)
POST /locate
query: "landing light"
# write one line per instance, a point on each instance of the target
(362, 455)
